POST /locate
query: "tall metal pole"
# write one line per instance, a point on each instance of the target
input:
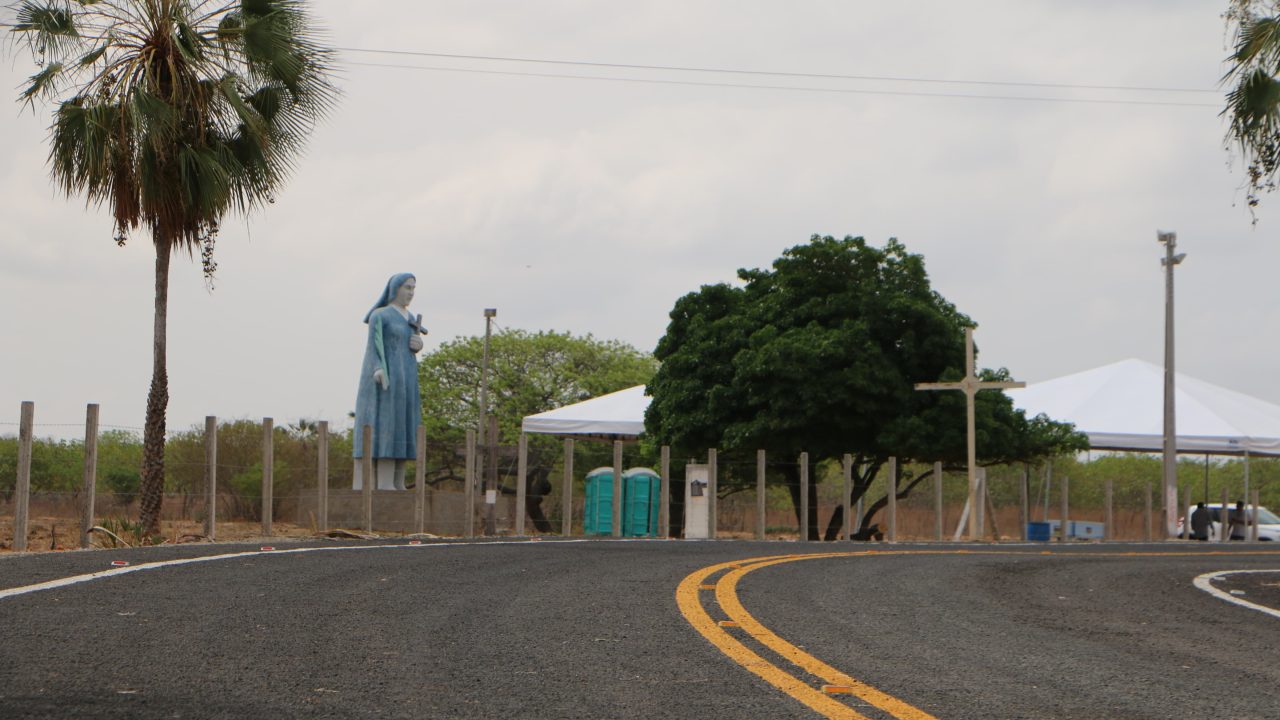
(490, 492)
(1170, 242)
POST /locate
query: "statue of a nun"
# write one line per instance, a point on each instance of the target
(388, 398)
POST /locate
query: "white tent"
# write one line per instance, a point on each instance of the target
(616, 416)
(1121, 407)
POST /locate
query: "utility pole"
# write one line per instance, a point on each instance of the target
(490, 488)
(1169, 261)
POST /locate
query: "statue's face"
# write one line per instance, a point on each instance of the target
(405, 294)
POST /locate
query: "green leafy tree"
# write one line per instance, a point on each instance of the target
(820, 354)
(172, 113)
(1253, 97)
(529, 373)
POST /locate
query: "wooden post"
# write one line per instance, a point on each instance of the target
(804, 497)
(937, 501)
(616, 525)
(211, 477)
(1024, 509)
(713, 485)
(22, 507)
(761, 497)
(268, 461)
(1224, 515)
(664, 507)
(1065, 527)
(90, 488)
(566, 520)
(522, 480)
(846, 496)
(1108, 517)
(420, 481)
(893, 500)
(367, 477)
(469, 491)
(322, 475)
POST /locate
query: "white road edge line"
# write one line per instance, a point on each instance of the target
(1203, 582)
(89, 577)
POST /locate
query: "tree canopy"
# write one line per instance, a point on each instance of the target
(820, 353)
(529, 372)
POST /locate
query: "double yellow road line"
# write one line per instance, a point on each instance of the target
(689, 597)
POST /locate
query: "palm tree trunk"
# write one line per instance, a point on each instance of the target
(157, 402)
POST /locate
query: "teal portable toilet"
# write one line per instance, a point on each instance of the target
(598, 518)
(641, 488)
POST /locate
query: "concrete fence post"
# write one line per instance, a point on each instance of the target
(1146, 514)
(846, 496)
(892, 494)
(761, 496)
(367, 478)
(937, 501)
(1224, 516)
(322, 475)
(1065, 527)
(616, 524)
(1024, 508)
(1253, 529)
(566, 503)
(522, 481)
(268, 478)
(420, 481)
(664, 506)
(713, 486)
(211, 477)
(90, 487)
(469, 491)
(1108, 517)
(22, 489)
(804, 497)
(1187, 515)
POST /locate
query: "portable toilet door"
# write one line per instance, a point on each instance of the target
(641, 487)
(598, 513)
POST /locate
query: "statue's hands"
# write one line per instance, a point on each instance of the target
(415, 343)
(381, 379)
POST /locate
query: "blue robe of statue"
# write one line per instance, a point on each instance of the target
(394, 413)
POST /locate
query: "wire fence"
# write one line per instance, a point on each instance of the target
(547, 486)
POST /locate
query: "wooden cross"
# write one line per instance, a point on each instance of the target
(970, 385)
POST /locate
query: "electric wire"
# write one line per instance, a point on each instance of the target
(775, 73)
(793, 88)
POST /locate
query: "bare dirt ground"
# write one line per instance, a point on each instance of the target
(58, 533)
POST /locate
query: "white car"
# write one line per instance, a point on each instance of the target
(1268, 522)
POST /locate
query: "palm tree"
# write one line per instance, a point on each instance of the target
(172, 113)
(1253, 101)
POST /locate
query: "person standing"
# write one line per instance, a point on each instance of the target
(1201, 520)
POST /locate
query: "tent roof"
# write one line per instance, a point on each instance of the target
(616, 416)
(1121, 407)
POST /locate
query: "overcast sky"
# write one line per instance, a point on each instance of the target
(589, 206)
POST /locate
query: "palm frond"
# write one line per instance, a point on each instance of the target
(42, 84)
(48, 27)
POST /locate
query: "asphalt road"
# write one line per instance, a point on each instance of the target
(592, 630)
